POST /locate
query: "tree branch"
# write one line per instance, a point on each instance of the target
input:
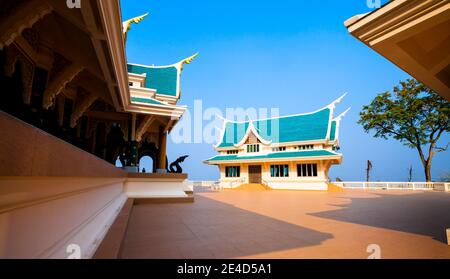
(442, 149)
(386, 130)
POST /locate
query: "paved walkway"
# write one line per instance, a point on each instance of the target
(292, 224)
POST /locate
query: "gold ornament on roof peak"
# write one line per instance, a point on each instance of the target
(126, 25)
(188, 60)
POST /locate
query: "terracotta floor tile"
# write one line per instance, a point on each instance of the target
(290, 224)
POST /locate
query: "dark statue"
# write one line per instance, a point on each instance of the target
(174, 167)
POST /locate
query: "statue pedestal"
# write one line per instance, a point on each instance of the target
(131, 169)
(156, 185)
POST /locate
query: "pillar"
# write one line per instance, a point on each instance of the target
(162, 168)
(133, 127)
(133, 155)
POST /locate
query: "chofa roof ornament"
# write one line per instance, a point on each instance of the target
(187, 60)
(126, 25)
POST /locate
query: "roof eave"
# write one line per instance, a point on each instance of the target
(110, 14)
(282, 159)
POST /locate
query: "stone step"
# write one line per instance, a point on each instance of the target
(334, 188)
(252, 187)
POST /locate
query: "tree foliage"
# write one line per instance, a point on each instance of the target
(413, 114)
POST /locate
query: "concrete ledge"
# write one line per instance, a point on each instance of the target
(187, 199)
(20, 192)
(111, 246)
(181, 176)
(150, 185)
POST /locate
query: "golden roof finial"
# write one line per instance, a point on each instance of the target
(126, 25)
(187, 60)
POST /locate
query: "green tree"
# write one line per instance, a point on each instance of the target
(413, 114)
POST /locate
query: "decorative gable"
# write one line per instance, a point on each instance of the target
(252, 139)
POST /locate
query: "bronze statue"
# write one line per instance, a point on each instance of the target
(175, 165)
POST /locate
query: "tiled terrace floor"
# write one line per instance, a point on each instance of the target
(290, 224)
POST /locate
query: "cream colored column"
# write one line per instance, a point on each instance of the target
(133, 127)
(162, 151)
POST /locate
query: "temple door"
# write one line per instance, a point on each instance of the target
(254, 174)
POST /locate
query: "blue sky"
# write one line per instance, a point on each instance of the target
(293, 55)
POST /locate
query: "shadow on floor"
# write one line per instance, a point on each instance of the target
(419, 213)
(210, 229)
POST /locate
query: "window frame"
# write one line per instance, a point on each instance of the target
(279, 170)
(305, 147)
(232, 171)
(253, 148)
(307, 170)
(279, 149)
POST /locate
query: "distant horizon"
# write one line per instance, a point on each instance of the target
(294, 56)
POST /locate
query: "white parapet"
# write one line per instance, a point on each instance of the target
(287, 185)
(419, 186)
(142, 185)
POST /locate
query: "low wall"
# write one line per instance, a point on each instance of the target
(314, 186)
(53, 196)
(58, 201)
(29, 151)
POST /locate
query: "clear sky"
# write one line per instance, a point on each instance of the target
(294, 55)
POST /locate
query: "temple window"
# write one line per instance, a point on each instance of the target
(279, 170)
(233, 171)
(305, 147)
(307, 170)
(230, 152)
(280, 148)
(252, 148)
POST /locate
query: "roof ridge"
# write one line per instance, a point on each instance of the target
(153, 66)
(178, 65)
(329, 106)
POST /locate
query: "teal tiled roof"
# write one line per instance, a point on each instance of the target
(147, 101)
(333, 130)
(163, 79)
(304, 127)
(276, 155)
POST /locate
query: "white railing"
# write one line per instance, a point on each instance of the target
(202, 183)
(232, 184)
(265, 183)
(437, 186)
(422, 186)
(212, 185)
(217, 185)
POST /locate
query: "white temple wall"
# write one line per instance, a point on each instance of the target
(292, 182)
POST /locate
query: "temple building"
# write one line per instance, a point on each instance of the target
(291, 152)
(71, 106)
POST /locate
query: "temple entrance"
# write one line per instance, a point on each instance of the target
(254, 174)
